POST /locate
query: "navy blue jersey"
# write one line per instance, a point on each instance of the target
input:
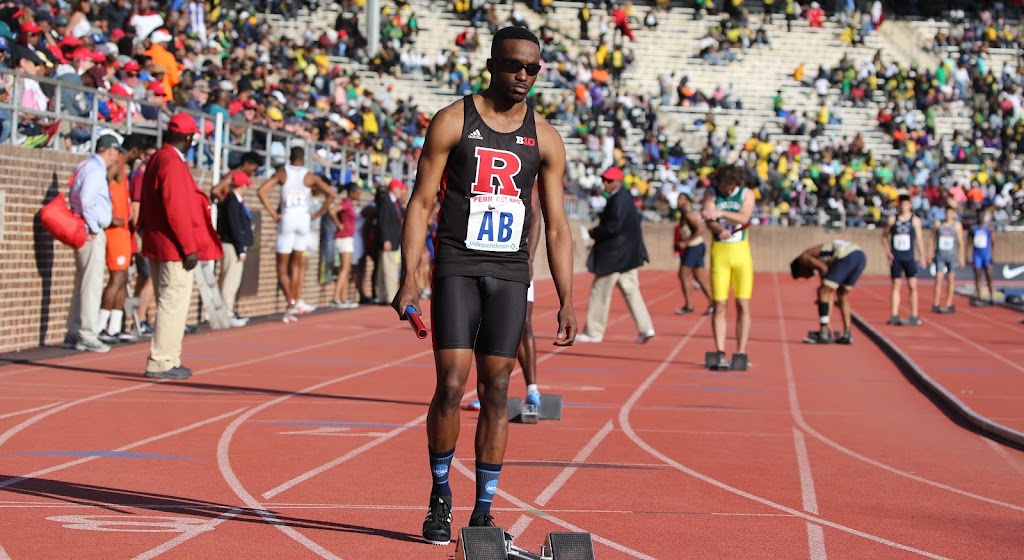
(484, 221)
(903, 239)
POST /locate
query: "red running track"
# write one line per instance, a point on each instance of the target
(306, 440)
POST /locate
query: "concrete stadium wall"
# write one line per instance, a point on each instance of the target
(37, 273)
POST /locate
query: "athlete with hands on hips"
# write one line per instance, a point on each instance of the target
(485, 152)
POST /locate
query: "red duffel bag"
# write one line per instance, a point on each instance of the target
(63, 224)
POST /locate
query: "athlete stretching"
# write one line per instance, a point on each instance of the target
(486, 152)
(840, 264)
(293, 223)
(727, 207)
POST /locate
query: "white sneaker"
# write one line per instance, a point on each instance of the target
(91, 346)
(349, 304)
(643, 338)
(583, 337)
(236, 322)
(303, 307)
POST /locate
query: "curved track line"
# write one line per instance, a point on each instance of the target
(28, 410)
(557, 521)
(628, 430)
(195, 532)
(794, 405)
(224, 445)
(147, 383)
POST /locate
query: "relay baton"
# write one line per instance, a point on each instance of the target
(416, 322)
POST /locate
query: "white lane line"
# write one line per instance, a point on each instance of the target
(14, 480)
(563, 477)
(519, 527)
(806, 481)
(523, 506)
(195, 532)
(1014, 462)
(28, 410)
(815, 534)
(628, 430)
(228, 473)
(50, 412)
(797, 413)
(3, 554)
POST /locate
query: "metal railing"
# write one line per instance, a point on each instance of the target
(213, 147)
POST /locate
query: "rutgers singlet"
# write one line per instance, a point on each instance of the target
(485, 200)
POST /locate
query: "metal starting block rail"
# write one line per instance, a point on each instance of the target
(550, 409)
(490, 543)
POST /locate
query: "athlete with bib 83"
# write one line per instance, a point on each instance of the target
(486, 152)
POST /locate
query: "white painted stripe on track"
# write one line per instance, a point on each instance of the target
(553, 519)
(519, 527)
(564, 476)
(14, 480)
(628, 430)
(28, 410)
(180, 539)
(1014, 463)
(816, 541)
(806, 480)
(3, 554)
(798, 417)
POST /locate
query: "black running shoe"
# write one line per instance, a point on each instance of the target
(913, 321)
(437, 527)
(937, 309)
(894, 320)
(845, 338)
(485, 520)
(818, 337)
(684, 310)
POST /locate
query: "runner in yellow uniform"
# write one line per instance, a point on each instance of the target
(728, 205)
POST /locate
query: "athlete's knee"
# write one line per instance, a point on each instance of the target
(742, 306)
(494, 391)
(449, 391)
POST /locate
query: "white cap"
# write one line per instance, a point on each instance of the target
(160, 36)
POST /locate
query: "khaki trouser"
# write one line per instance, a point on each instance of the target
(230, 276)
(173, 287)
(387, 275)
(601, 298)
(90, 266)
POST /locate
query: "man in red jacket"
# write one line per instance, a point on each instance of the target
(177, 234)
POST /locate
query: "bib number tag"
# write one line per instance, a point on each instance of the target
(901, 242)
(981, 242)
(495, 223)
(946, 243)
(295, 201)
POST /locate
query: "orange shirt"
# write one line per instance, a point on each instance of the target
(122, 206)
(163, 57)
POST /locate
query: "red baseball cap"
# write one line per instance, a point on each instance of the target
(397, 185)
(98, 57)
(70, 41)
(612, 174)
(118, 89)
(117, 34)
(157, 88)
(82, 54)
(132, 66)
(241, 178)
(182, 124)
(30, 27)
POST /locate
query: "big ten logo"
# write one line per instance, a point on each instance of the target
(133, 523)
(495, 172)
(526, 141)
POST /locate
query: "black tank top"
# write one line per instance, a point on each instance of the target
(485, 216)
(902, 239)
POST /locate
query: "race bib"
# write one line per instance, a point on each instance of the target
(981, 242)
(901, 242)
(495, 223)
(295, 201)
(735, 236)
(946, 243)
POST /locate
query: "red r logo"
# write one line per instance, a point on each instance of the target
(497, 165)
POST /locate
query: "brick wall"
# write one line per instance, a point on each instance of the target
(37, 273)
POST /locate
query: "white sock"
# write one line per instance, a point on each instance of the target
(116, 319)
(104, 317)
(532, 388)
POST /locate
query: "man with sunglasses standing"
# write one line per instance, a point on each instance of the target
(483, 154)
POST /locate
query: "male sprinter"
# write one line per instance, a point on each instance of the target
(904, 246)
(293, 222)
(527, 356)
(691, 254)
(486, 151)
(949, 253)
(840, 264)
(981, 257)
(728, 206)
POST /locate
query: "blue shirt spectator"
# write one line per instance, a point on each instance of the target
(90, 194)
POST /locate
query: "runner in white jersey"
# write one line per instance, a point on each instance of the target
(293, 223)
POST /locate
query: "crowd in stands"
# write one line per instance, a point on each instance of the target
(207, 60)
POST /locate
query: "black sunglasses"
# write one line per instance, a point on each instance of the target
(514, 66)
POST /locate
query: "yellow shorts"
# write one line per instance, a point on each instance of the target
(731, 264)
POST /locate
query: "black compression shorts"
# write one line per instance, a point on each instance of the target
(484, 314)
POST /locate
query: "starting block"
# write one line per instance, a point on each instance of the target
(739, 362)
(550, 409)
(490, 543)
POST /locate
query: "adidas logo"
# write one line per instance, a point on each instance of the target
(475, 135)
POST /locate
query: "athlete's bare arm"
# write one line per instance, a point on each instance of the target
(809, 258)
(885, 237)
(960, 249)
(443, 136)
(696, 227)
(741, 217)
(920, 248)
(557, 232)
(275, 180)
(315, 182)
(708, 210)
(220, 191)
(533, 238)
